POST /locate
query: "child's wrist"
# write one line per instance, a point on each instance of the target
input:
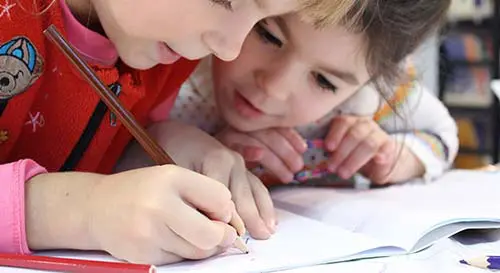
(58, 211)
(408, 166)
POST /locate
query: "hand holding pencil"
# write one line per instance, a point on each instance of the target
(155, 215)
(161, 215)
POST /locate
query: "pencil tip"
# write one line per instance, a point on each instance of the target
(463, 262)
(239, 244)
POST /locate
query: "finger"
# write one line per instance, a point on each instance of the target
(249, 153)
(382, 174)
(385, 153)
(219, 169)
(363, 153)
(282, 148)
(245, 205)
(203, 193)
(218, 165)
(237, 223)
(294, 138)
(273, 163)
(169, 241)
(264, 202)
(192, 225)
(355, 135)
(248, 147)
(385, 167)
(375, 172)
(338, 128)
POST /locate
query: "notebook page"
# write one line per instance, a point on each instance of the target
(298, 242)
(402, 214)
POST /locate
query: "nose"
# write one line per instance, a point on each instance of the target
(276, 80)
(4, 81)
(226, 41)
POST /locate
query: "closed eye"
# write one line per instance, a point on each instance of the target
(324, 83)
(266, 36)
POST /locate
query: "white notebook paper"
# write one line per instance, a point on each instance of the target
(319, 225)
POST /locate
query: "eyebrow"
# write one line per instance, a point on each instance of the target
(283, 26)
(348, 77)
(261, 4)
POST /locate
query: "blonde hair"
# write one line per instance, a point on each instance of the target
(323, 13)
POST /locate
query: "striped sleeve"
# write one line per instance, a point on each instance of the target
(415, 117)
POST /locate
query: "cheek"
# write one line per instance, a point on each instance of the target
(238, 72)
(313, 106)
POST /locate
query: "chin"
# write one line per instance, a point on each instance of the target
(137, 61)
(243, 125)
(140, 64)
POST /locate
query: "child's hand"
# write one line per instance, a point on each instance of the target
(157, 215)
(359, 144)
(192, 148)
(278, 150)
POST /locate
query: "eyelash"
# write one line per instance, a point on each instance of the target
(227, 4)
(267, 37)
(323, 83)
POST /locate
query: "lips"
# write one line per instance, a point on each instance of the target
(166, 55)
(245, 107)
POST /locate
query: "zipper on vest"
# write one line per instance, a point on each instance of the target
(88, 133)
(3, 105)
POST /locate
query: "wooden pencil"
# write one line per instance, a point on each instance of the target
(71, 265)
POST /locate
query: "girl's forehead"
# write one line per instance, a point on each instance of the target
(333, 48)
(319, 13)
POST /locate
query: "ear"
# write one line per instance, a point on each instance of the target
(37, 71)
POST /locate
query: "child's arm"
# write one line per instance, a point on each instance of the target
(423, 125)
(151, 215)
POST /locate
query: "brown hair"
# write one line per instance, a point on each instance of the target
(393, 28)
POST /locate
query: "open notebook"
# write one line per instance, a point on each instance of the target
(319, 225)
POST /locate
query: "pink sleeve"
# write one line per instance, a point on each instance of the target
(12, 221)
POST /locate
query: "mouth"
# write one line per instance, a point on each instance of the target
(167, 55)
(245, 108)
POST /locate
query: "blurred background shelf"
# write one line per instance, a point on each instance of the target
(469, 61)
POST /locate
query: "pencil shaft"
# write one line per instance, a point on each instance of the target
(70, 265)
(494, 262)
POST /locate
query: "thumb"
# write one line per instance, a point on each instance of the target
(253, 153)
(386, 153)
(227, 234)
(248, 152)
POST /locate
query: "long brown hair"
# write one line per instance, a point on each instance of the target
(393, 30)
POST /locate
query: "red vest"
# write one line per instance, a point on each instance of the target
(50, 114)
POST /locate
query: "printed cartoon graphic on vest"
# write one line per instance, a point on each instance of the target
(20, 67)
